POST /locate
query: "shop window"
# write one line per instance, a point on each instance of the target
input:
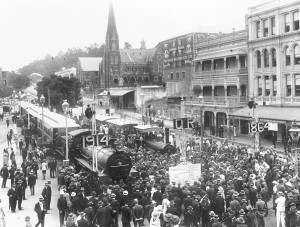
(296, 20)
(266, 28)
(297, 55)
(287, 56)
(258, 58)
(297, 85)
(266, 58)
(288, 85)
(258, 29)
(287, 24)
(273, 26)
(273, 56)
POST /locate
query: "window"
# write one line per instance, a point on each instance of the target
(297, 55)
(258, 57)
(297, 85)
(288, 85)
(177, 75)
(178, 64)
(268, 86)
(259, 86)
(274, 85)
(287, 56)
(296, 20)
(273, 56)
(266, 58)
(172, 77)
(266, 28)
(183, 74)
(273, 26)
(258, 29)
(287, 22)
(179, 42)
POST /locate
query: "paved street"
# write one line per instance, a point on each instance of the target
(18, 218)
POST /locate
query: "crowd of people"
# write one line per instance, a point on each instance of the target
(235, 188)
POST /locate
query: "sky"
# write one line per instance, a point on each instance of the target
(31, 29)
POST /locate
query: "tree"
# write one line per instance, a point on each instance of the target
(18, 81)
(60, 88)
(127, 45)
(5, 91)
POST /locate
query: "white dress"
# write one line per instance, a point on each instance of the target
(154, 222)
(2, 217)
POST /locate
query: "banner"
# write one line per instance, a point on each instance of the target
(182, 173)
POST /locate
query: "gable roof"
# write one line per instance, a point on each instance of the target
(90, 64)
(136, 55)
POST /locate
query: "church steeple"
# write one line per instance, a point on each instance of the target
(111, 32)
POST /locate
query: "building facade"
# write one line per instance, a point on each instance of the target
(274, 63)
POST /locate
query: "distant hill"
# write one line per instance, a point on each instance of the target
(51, 64)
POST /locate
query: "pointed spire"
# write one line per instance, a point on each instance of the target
(111, 25)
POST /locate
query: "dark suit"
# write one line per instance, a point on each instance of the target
(126, 216)
(49, 194)
(12, 194)
(83, 222)
(103, 217)
(40, 213)
(62, 207)
(89, 213)
(5, 174)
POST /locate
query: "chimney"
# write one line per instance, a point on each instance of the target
(143, 44)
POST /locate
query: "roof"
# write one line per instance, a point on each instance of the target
(120, 92)
(148, 128)
(78, 132)
(136, 55)
(121, 122)
(102, 117)
(90, 64)
(272, 113)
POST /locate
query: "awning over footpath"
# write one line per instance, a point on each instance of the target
(120, 92)
(269, 113)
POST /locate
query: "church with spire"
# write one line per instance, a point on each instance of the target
(124, 70)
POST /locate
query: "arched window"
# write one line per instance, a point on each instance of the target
(266, 58)
(116, 81)
(125, 80)
(132, 80)
(258, 58)
(297, 55)
(297, 85)
(260, 81)
(288, 85)
(288, 56)
(273, 56)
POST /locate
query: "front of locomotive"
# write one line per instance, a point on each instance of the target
(118, 165)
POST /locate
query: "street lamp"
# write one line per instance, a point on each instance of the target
(13, 101)
(65, 107)
(294, 131)
(28, 116)
(42, 100)
(201, 122)
(142, 98)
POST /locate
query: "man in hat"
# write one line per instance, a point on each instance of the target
(12, 194)
(220, 205)
(103, 216)
(40, 209)
(45, 195)
(190, 218)
(234, 204)
(115, 205)
(89, 213)
(4, 173)
(280, 209)
(137, 213)
(126, 215)
(62, 206)
(70, 221)
(31, 181)
(19, 191)
(157, 196)
(49, 195)
(82, 222)
(252, 194)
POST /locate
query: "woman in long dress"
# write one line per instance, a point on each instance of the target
(2, 215)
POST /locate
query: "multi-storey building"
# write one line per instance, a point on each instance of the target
(88, 72)
(3, 78)
(220, 79)
(274, 63)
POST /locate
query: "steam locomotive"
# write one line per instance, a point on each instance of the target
(116, 164)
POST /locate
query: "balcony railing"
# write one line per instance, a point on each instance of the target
(242, 70)
(219, 100)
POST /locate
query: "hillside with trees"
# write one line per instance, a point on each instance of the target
(51, 64)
